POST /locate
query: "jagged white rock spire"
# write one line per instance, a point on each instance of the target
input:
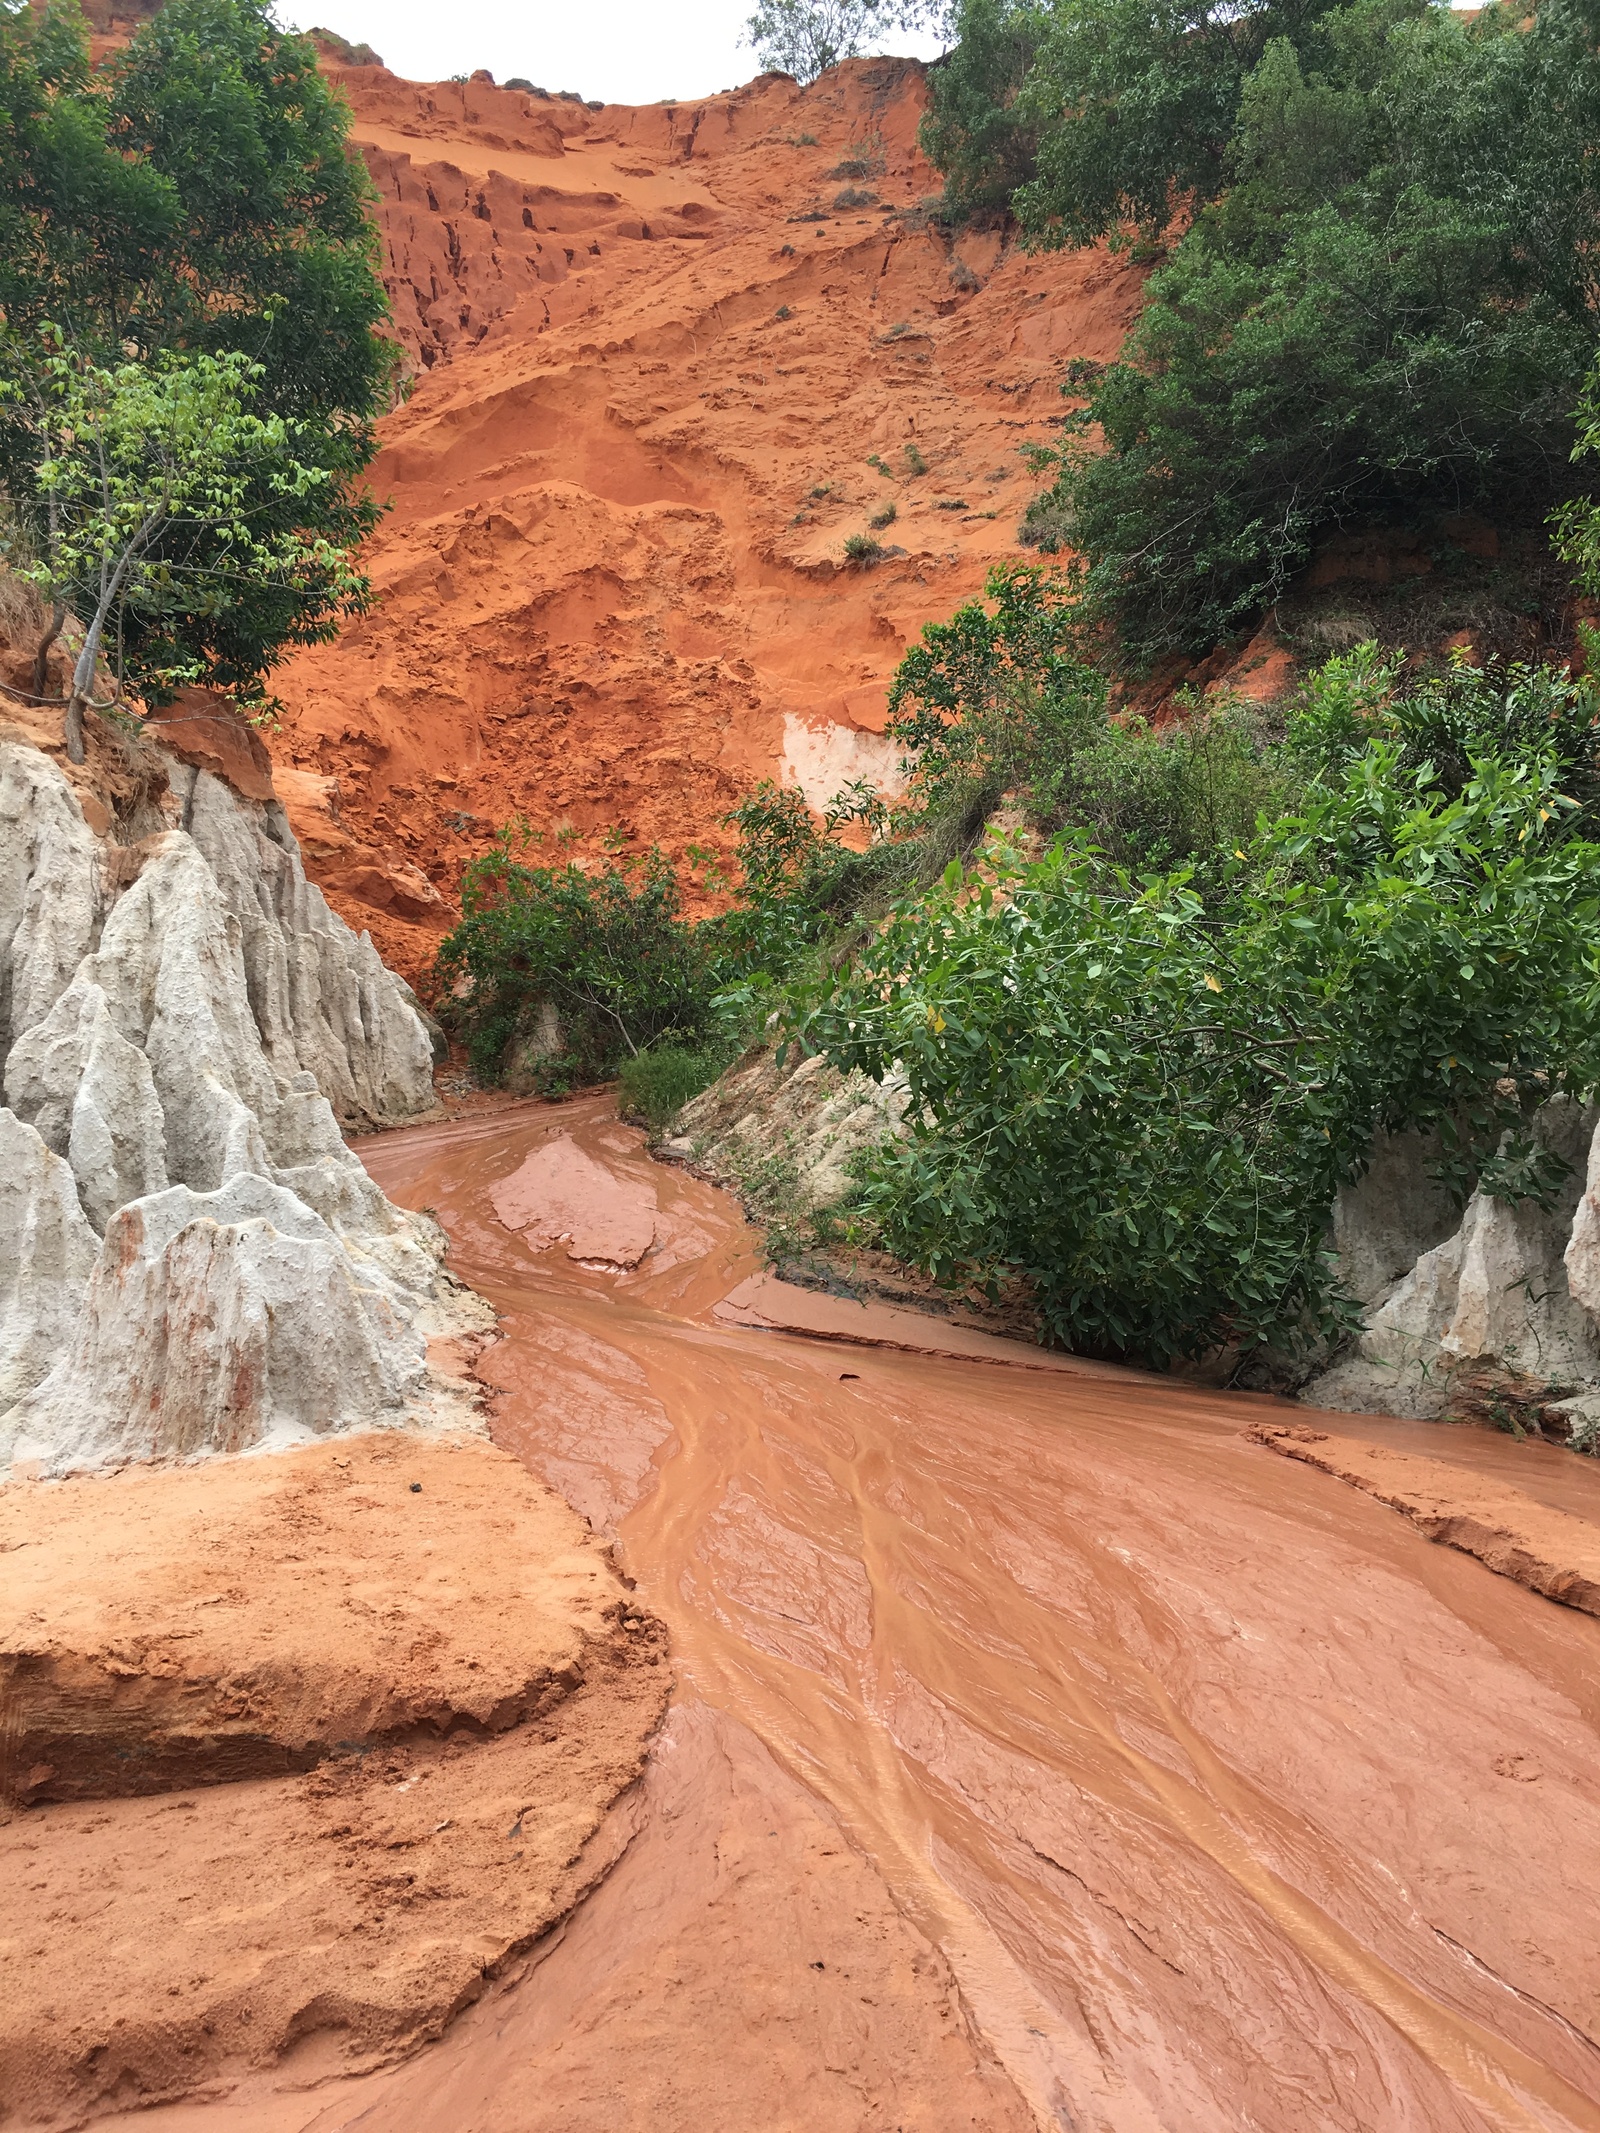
(191, 1258)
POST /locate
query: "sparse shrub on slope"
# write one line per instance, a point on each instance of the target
(863, 551)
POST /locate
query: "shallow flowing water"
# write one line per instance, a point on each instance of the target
(1232, 1801)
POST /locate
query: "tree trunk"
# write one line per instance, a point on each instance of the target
(83, 684)
(41, 658)
(75, 709)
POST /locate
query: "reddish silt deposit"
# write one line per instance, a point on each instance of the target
(1209, 1793)
(296, 1751)
(656, 361)
(561, 1195)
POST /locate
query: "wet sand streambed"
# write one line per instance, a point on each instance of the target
(1045, 1751)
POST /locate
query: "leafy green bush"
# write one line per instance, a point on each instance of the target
(1003, 698)
(1389, 312)
(636, 988)
(862, 550)
(609, 951)
(1443, 722)
(797, 886)
(999, 696)
(1142, 1103)
(653, 1086)
(1181, 794)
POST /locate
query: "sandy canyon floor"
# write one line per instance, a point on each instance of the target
(1045, 1750)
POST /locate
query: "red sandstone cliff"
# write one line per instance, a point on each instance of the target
(654, 360)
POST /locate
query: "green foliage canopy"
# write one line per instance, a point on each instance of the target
(1002, 699)
(1143, 1102)
(975, 130)
(1084, 115)
(1391, 310)
(608, 950)
(1383, 306)
(196, 195)
(151, 478)
(1134, 103)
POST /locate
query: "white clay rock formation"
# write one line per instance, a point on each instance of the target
(1508, 1291)
(191, 1259)
(806, 1111)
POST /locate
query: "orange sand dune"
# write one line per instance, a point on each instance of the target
(612, 586)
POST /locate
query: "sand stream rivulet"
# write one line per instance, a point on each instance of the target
(1228, 1799)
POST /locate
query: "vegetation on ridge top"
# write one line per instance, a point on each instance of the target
(1376, 232)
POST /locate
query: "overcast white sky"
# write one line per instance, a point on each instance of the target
(627, 51)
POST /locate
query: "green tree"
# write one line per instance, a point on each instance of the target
(806, 37)
(1089, 114)
(1576, 524)
(1134, 102)
(975, 132)
(1389, 312)
(196, 194)
(1000, 696)
(152, 477)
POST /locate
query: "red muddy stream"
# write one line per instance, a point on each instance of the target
(1181, 1786)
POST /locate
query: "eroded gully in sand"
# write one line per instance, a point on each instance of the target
(1208, 1794)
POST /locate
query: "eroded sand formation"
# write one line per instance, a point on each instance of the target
(655, 360)
(191, 1259)
(421, 1628)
